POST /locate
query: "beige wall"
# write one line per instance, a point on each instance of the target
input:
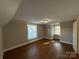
(15, 33)
(67, 31)
(0, 42)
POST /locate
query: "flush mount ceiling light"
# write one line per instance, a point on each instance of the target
(45, 20)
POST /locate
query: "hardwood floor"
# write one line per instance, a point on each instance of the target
(42, 49)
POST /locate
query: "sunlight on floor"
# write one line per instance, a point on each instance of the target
(52, 41)
(45, 43)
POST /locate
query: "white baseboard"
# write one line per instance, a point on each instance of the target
(75, 50)
(1, 56)
(20, 45)
(66, 42)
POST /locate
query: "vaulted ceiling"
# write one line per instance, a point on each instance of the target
(8, 10)
(33, 11)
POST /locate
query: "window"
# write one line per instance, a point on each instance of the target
(55, 30)
(32, 31)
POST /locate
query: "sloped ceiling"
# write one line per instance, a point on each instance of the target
(34, 11)
(8, 9)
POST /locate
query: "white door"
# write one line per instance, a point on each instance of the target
(75, 36)
(78, 37)
(0, 43)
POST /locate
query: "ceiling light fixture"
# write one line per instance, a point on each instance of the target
(45, 20)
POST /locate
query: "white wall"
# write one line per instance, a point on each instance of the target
(0, 42)
(67, 32)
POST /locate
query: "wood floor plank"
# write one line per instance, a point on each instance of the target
(42, 49)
